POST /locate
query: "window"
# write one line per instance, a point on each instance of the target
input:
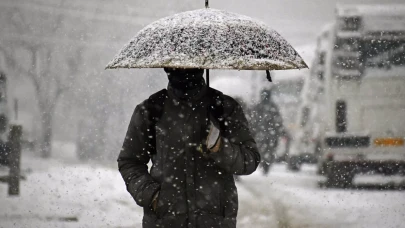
(382, 53)
(320, 76)
(3, 123)
(347, 44)
(2, 86)
(305, 116)
(350, 23)
(347, 62)
(341, 112)
(322, 58)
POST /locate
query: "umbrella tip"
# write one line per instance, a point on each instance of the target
(268, 76)
(305, 64)
(206, 4)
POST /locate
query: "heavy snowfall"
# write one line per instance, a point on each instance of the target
(62, 192)
(337, 142)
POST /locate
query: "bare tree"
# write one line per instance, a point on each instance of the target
(48, 81)
(48, 86)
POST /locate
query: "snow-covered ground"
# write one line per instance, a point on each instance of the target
(64, 193)
(297, 200)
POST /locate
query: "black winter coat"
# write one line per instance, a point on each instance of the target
(196, 190)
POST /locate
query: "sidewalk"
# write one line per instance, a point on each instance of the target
(60, 194)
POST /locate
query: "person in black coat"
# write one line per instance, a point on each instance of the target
(268, 125)
(197, 138)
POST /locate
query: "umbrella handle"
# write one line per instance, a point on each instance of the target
(206, 4)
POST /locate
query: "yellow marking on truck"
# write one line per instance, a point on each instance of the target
(389, 142)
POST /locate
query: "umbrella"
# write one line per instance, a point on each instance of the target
(208, 39)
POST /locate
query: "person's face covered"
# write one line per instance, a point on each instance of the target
(185, 79)
(266, 96)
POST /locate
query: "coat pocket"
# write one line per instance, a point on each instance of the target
(210, 221)
(229, 199)
(164, 201)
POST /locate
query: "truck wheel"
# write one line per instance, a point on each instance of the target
(338, 176)
(293, 163)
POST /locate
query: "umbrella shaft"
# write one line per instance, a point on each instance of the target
(206, 4)
(207, 77)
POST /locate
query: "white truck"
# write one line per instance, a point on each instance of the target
(360, 112)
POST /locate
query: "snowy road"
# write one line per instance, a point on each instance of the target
(296, 201)
(66, 194)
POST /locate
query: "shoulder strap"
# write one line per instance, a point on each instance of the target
(155, 108)
(155, 105)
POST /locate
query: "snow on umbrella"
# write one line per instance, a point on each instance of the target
(208, 39)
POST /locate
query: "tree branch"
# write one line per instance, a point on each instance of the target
(33, 76)
(8, 56)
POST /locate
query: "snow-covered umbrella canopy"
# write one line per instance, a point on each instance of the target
(208, 39)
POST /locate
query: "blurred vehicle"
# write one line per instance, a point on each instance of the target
(306, 139)
(360, 111)
(286, 94)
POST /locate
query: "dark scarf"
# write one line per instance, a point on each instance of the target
(186, 83)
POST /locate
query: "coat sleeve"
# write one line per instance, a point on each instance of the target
(238, 153)
(134, 157)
